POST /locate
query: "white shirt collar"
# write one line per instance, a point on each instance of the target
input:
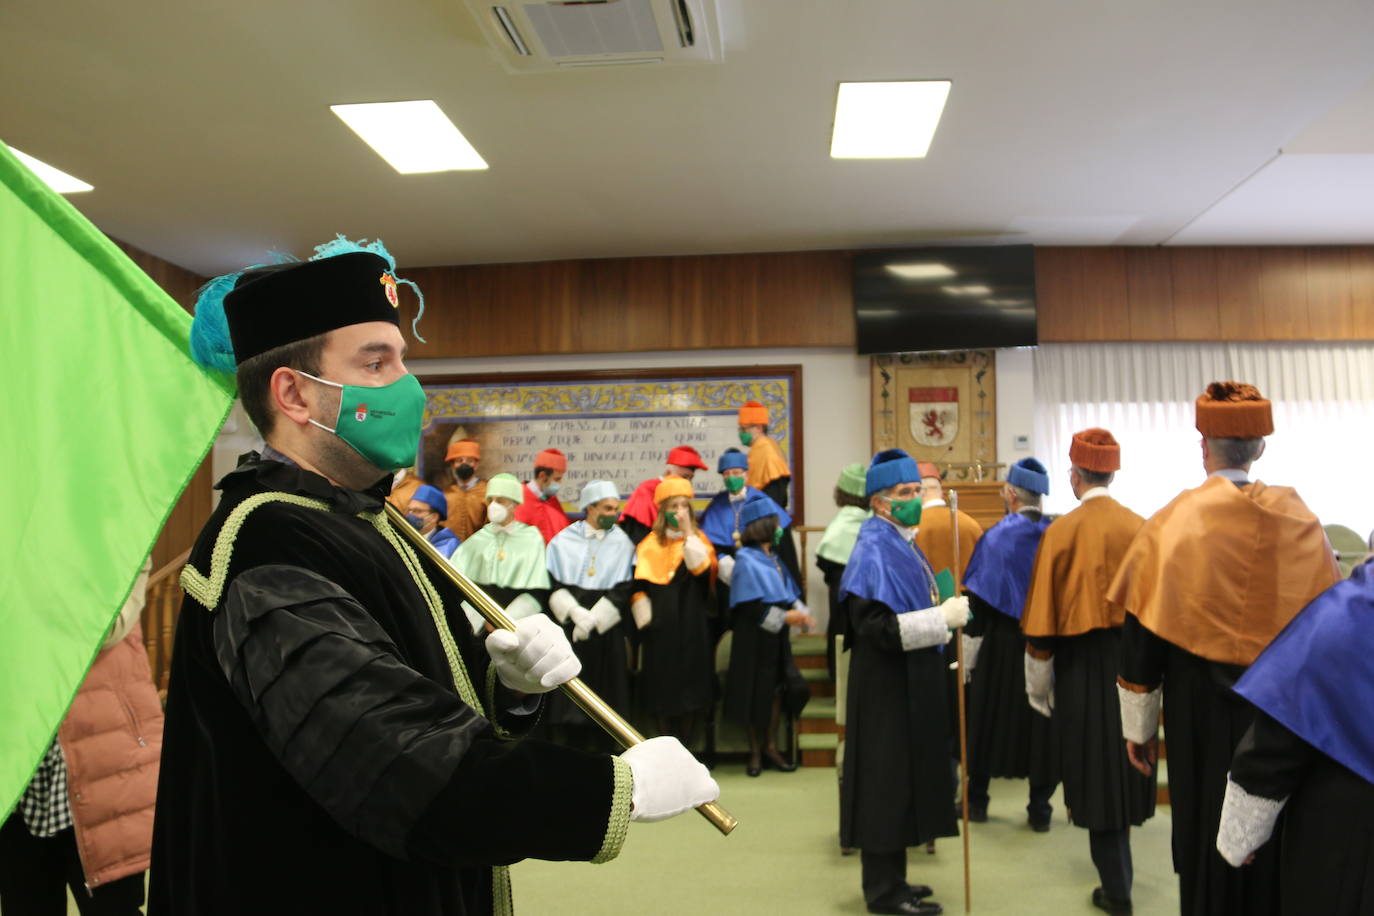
(736, 497)
(1237, 476)
(1094, 493)
(905, 532)
(593, 531)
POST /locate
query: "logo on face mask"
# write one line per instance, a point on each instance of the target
(360, 413)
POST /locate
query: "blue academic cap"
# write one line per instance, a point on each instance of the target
(754, 509)
(889, 468)
(432, 497)
(1030, 474)
(732, 458)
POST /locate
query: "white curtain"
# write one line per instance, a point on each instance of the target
(1323, 396)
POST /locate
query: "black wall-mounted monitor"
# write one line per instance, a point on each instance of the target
(913, 299)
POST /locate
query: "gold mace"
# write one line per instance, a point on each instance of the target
(595, 707)
(963, 711)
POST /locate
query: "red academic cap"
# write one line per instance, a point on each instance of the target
(684, 456)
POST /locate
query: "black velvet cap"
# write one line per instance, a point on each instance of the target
(273, 306)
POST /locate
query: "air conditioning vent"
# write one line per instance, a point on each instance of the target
(543, 35)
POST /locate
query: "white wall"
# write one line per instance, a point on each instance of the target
(1015, 403)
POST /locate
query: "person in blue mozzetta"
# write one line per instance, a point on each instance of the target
(1006, 738)
(337, 739)
(763, 682)
(1309, 755)
(721, 524)
(426, 510)
(896, 786)
(591, 570)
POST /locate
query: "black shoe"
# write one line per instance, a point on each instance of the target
(754, 767)
(918, 891)
(1039, 826)
(908, 908)
(976, 815)
(775, 761)
(1115, 907)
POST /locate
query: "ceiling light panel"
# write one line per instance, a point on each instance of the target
(413, 137)
(56, 179)
(887, 120)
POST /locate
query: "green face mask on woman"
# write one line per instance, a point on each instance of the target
(383, 423)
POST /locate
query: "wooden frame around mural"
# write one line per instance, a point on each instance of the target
(549, 400)
(940, 407)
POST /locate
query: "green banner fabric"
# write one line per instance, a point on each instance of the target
(106, 418)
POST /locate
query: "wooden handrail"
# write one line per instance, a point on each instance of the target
(174, 567)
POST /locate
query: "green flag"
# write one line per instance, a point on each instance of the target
(106, 418)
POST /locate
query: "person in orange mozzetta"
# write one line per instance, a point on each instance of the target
(1207, 584)
(1073, 650)
(675, 570)
(466, 492)
(768, 470)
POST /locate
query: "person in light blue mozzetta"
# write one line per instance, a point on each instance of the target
(425, 511)
(591, 568)
(896, 786)
(763, 681)
(1006, 738)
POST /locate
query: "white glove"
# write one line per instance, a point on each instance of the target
(605, 614)
(536, 658)
(694, 552)
(668, 780)
(726, 567)
(1040, 684)
(521, 606)
(474, 618)
(561, 603)
(642, 610)
(583, 623)
(956, 612)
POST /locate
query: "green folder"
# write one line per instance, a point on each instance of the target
(944, 581)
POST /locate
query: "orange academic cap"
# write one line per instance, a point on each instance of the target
(1095, 450)
(753, 414)
(463, 448)
(1233, 410)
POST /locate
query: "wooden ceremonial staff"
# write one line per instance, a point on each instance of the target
(595, 707)
(963, 714)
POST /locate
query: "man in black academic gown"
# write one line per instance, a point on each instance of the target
(897, 785)
(336, 739)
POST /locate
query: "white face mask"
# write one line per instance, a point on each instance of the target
(497, 513)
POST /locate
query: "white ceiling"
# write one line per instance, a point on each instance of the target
(206, 130)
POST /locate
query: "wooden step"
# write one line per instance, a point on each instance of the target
(819, 717)
(818, 750)
(818, 679)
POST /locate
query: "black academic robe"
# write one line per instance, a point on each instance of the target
(897, 787)
(636, 529)
(1325, 837)
(1006, 738)
(677, 656)
(604, 660)
(1101, 789)
(1204, 722)
(761, 667)
(317, 756)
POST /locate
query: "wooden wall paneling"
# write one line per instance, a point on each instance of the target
(1283, 293)
(1239, 308)
(1054, 291)
(1361, 262)
(1193, 277)
(178, 282)
(730, 300)
(1149, 294)
(1329, 306)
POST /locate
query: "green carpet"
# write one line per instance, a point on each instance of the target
(784, 858)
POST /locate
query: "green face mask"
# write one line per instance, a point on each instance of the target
(777, 536)
(671, 518)
(382, 424)
(906, 511)
(605, 522)
(734, 484)
(746, 437)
